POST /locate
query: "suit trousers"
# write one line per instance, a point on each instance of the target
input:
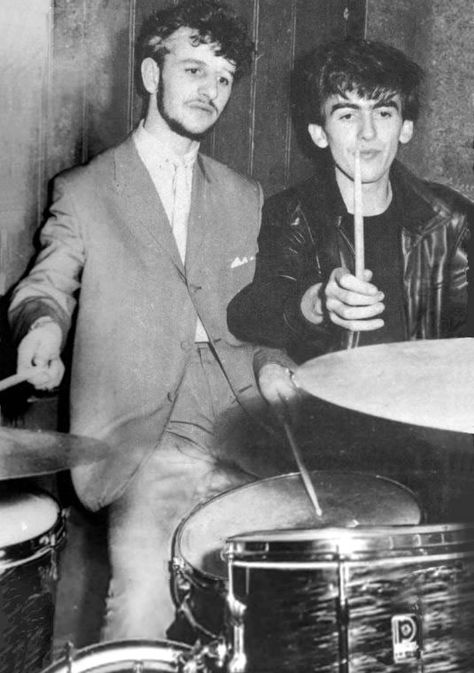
(187, 468)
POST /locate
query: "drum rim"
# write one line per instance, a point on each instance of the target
(36, 547)
(357, 531)
(77, 657)
(207, 578)
(337, 544)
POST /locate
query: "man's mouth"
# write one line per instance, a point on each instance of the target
(204, 107)
(367, 155)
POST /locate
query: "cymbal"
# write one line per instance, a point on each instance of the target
(428, 383)
(32, 453)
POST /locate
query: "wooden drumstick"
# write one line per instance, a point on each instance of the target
(305, 476)
(15, 379)
(358, 219)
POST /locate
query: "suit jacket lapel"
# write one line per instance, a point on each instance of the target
(144, 209)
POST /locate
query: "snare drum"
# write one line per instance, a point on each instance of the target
(134, 656)
(358, 601)
(30, 534)
(199, 582)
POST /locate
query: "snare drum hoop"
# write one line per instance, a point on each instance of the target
(206, 580)
(384, 543)
(28, 550)
(135, 651)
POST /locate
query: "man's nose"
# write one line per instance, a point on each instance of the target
(209, 87)
(367, 129)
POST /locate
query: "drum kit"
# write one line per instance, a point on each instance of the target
(32, 532)
(368, 583)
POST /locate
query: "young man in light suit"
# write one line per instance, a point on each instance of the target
(154, 239)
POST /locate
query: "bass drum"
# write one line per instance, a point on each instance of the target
(199, 582)
(365, 600)
(31, 533)
(134, 656)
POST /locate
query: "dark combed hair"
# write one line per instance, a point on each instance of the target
(213, 22)
(373, 70)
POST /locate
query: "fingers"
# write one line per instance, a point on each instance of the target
(353, 303)
(47, 376)
(39, 351)
(278, 389)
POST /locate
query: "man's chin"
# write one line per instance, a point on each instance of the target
(198, 132)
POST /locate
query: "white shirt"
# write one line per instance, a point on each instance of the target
(172, 177)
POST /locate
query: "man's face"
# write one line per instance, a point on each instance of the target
(375, 126)
(195, 85)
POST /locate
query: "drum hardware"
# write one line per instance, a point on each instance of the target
(181, 590)
(137, 656)
(68, 656)
(235, 614)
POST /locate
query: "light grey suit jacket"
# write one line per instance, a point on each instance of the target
(108, 240)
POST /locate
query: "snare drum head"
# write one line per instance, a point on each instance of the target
(347, 499)
(25, 515)
(125, 656)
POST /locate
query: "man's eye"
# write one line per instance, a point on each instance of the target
(225, 81)
(385, 114)
(347, 116)
(193, 71)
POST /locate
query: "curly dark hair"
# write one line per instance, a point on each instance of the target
(214, 23)
(372, 69)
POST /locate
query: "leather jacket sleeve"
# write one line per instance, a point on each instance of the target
(267, 312)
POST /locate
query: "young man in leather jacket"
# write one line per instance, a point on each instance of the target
(305, 299)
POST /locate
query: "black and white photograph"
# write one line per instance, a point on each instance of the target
(237, 336)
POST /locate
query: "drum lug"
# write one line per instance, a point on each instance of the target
(178, 568)
(238, 662)
(210, 657)
(68, 656)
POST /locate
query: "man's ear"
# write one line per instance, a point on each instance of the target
(150, 75)
(318, 135)
(406, 132)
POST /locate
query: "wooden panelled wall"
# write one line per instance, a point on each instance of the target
(67, 92)
(439, 35)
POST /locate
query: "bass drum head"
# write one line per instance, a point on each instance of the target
(347, 499)
(125, 656)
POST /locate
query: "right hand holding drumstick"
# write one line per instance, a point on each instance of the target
(350, 302)
(39, 352)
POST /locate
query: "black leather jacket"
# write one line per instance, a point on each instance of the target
(301, 242)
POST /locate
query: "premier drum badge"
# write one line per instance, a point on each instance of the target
(406, 637)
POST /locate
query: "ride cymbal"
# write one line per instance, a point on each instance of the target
(428, 383)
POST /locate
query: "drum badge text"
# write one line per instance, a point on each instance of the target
(406, 637)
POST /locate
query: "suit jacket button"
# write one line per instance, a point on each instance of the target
(185, 345)
(170, 397)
